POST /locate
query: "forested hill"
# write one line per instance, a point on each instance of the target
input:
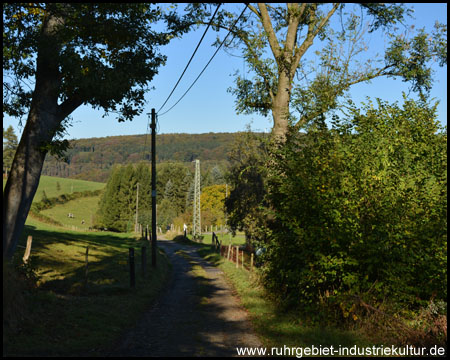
(92, 159)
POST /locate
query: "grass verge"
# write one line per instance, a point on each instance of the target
(64, 315)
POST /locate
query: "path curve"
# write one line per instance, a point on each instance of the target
(183, 322)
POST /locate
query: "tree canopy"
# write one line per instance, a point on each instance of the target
(58, 56)
(106, 54)
(304, 57)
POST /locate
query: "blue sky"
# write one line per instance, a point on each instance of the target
(208, 107)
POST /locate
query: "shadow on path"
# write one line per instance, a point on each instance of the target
(195, 315)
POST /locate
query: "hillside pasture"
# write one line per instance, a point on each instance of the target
(69, 312)
(83, 209)
(49, 184)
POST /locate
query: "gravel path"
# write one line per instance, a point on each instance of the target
(192, 317)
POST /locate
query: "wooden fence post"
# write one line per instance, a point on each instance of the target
(251, 262)
(228, 255)
(28, 249)
(237, 257)
(242, 258)
(131, 261)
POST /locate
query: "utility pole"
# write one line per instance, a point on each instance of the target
(153, 188)
(197, 223)
(137, 209)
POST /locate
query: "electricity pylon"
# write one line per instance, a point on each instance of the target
(197, 225)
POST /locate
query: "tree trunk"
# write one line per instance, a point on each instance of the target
(43, 120)
(280, 109)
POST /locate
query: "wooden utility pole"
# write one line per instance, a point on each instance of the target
(153, 188)
(197, 229)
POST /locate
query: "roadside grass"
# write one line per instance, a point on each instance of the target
(229, 239)
(225, 239)
(275, 327)
(63, 316)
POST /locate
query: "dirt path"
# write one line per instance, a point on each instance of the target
(195, 316)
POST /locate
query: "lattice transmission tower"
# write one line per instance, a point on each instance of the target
(197, 224)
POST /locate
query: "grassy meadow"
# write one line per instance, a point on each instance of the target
(83, 210)
(49, 184)
(63, 311)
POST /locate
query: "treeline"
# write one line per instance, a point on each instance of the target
(93, 159)
(175, 195)
(352, 215)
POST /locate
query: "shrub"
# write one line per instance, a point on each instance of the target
(360, 209)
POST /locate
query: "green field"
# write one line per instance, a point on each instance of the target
(82, 209)
(49, 184)
(225, 239)
(71, 313)
(229, 239)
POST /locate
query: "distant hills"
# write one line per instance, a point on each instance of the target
(93, 158)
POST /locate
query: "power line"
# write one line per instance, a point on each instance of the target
(208, 61)
(198, 45)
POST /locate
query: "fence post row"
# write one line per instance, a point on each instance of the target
(233, 253)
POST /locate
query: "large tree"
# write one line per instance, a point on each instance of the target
(306, 56)
(57, 57)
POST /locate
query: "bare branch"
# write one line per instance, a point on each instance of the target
(271, 36)
(69, 105)
(243, 38)
(291, 35)
(300, 51)
(326, 18)
(255, 10)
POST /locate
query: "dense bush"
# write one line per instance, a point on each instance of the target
(353, 213)
(361, 209)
